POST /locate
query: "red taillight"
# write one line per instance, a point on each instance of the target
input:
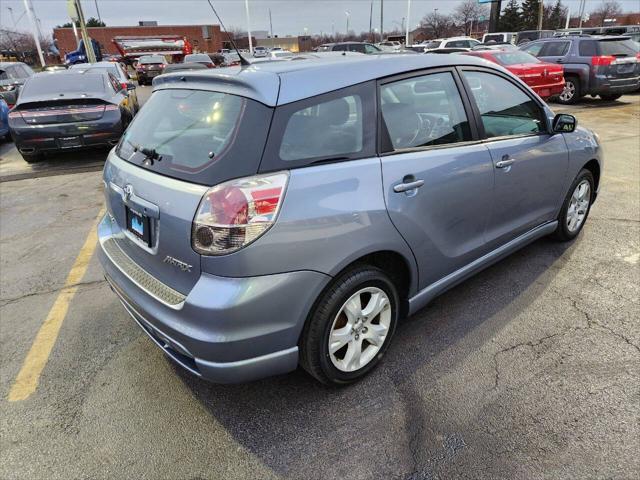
(638, 56)
(602, 61)
(124, 85)
(14, 115)
(111, 108)
(210, 65)
(236, 213)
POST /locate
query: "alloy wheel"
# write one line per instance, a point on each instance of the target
(568, 92)
(578, 206)
(359, 329)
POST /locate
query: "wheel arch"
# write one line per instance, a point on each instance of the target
(594, 167)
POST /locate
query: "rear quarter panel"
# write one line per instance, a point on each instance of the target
(332, 215)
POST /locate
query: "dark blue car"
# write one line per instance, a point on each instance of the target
(4, 120)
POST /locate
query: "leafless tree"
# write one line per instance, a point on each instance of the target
(607, 9)
(437, 24)
(468, 12)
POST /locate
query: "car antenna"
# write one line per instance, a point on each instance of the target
(243, 61)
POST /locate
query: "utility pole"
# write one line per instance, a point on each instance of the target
(581, 11)
(246, 7)
(98, 10)
(34, 29)
(348, 15)
(540, 14)
(382, 20)
(566, 25)
(88, 44)
(270, 24)
(406, 36)
(370, 22)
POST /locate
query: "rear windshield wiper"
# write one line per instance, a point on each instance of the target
(150, 154)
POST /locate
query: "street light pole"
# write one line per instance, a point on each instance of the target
(98, 10)
(246, 7)
(406, 36)
(34, 29)
(382, 20)
(347, 14)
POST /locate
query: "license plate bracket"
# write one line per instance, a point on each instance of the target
(139, 225)
(70, 142)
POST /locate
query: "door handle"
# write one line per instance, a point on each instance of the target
(559, 61)
(505, 162)
(405, 187)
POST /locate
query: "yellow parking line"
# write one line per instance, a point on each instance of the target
(27, 380)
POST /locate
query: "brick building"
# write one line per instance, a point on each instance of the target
(203, 38)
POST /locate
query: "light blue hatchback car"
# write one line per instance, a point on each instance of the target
(290, 213)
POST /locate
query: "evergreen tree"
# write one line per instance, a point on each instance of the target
(530, 11)
(511, 18)
(557, 16)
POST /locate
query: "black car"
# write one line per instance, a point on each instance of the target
(67, 111)
(12, 77)
(148, 67)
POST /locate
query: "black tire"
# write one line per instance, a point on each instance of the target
(572, 82)
(562, 232)
(314, 348)
(611, 97)
(31, 157)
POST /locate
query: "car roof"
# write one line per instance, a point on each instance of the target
(279, 83)
(9, 64)
(584, 37)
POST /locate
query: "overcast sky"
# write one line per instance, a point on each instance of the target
(290, 17)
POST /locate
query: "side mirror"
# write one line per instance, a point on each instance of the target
(564, 123)
(131, 86)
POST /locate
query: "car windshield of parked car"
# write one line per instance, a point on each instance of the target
(62, 83)
(197, 57)
(621, 48)
(152, 59)
(504, 108)
(514, 58)
(433, 44)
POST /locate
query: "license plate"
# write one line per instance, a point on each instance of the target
(139, 225)
(626, 67)
(69, 142)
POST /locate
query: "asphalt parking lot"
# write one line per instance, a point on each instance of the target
(529, 370)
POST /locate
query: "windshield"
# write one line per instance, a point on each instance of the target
(514, 58)
(433, 44)
(196, 131)
(495, 38)
(154, 59)
(197, 57)
(61, 83)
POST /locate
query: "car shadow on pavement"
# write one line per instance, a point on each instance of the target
(382, 426)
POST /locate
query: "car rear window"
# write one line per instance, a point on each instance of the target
(201, 136)
(626, 48)
(433, 45)
(47, 84)
(198, 57)
(155, 59)
(514, 58)
(587, 48)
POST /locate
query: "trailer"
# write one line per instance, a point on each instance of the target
(132, 48)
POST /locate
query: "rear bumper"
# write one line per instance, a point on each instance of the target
(47, 138)
(611, 86)
(549, 90)
(227, 330)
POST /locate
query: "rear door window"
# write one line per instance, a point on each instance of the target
(201, 136)
(505, 110)
(554, 49)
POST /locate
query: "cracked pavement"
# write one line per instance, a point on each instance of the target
(530, 369)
